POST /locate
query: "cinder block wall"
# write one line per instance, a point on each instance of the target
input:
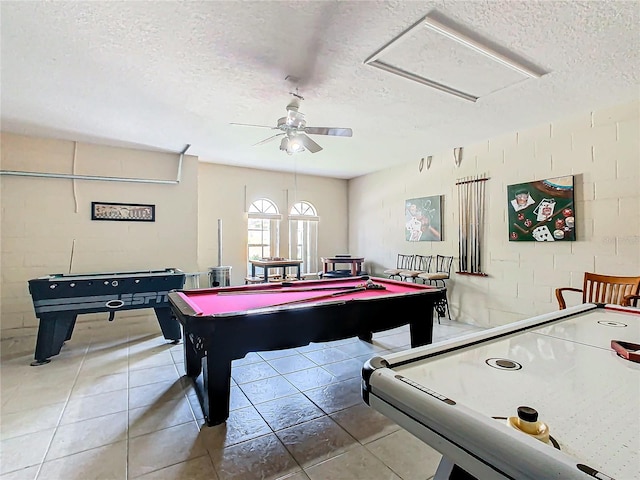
(600, 148)
(44, 218)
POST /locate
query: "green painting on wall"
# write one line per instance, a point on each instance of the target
(423, 219)
(542, 211)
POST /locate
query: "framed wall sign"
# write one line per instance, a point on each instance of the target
(123, 212)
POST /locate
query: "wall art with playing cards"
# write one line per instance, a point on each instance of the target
(542, 211)
(423, 219)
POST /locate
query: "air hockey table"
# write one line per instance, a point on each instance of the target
(457, 396)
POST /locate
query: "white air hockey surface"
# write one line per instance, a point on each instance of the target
(587, 395)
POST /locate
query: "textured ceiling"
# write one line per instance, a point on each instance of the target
(164, 74)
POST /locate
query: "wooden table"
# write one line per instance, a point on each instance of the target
(355, 262)
(266, 264)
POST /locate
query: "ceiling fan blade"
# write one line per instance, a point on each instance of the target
(251, 125)
(335, 131)
(266, 140)
(309, 144)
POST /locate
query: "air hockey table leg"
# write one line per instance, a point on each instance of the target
(447, 470)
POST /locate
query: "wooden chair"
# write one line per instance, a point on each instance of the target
(404, 262)
(603, 289)
(630, 300)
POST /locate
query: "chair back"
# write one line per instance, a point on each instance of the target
(608, 288)
(443, 264)
(405, 262)
(422, 263)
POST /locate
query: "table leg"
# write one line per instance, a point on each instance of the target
(421, 330)
(170, 326)
(447, 470)
(192, 359)
(299, 273)
(253, 270)
(366, 337)
(217, 389)
(52, 333)
(265, 270)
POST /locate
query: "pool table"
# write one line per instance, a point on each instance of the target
(465, 398)
(226, 323)
(59, 298)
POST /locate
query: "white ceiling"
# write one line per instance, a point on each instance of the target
(165, 74)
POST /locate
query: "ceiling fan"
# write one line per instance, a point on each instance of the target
(293, 130)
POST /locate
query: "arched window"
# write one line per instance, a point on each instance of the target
(263, 230)
(303, 235)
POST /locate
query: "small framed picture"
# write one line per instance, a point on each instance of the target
(123, 212)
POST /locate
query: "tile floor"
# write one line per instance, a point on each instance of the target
(113, 405)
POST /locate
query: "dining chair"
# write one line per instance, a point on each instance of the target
(442, 272)
(403, 262)
(421, 264)
(598, 288)
(630, 300)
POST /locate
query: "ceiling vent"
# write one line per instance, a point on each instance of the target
(440, 54)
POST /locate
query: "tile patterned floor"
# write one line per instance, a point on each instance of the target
(113, 405)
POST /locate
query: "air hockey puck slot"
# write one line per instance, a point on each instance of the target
(503, 364)
(611, 323)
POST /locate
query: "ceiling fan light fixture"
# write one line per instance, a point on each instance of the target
(291, 145)
(295, 145)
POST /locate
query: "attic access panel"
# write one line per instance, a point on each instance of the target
(448, 57)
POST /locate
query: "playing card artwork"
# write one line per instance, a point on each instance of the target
(423, 219)
(542, 211)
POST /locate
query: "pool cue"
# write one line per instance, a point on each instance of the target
(481, 221)
(472, 224)
(313, 299)
(73, 246)
(293, 290)
(462, 230)
(476, 243)
(520, 228)
(459, 232)
(293, 284)
(464, 226)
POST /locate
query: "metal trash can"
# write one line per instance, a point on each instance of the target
(219, 276)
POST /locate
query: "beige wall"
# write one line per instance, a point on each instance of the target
(40, 221)
(602, 150)
(226, 192)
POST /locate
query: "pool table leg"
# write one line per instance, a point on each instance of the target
(366, 337)
(217, 388)
(170, 326)
(422, 330)
(192, 359)
(53, 331)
